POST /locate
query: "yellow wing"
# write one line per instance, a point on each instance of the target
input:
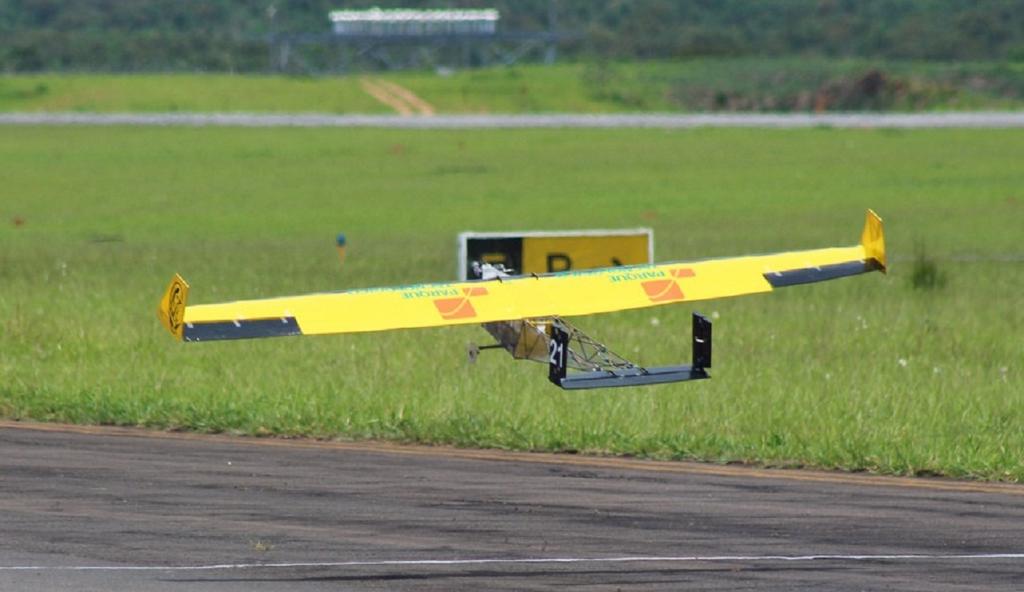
(521, 297)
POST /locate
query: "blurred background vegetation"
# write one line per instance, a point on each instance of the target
(234, 35)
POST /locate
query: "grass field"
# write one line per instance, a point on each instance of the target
(868, 373)
(770, 84)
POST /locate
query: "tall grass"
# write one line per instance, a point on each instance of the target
(772, 84)
(866, 373)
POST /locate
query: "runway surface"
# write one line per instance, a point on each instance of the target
(991, 119)
(121, 509)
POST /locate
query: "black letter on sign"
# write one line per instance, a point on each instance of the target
(559, 262)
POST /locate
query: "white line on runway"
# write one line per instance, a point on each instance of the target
(530, 560)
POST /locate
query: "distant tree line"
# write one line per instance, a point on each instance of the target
(235, 35)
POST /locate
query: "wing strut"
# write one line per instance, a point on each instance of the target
(604, 369)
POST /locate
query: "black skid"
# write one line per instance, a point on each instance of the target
(627, 374)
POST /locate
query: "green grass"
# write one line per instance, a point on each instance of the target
(775, 84)
(108, 93)
(869, 373)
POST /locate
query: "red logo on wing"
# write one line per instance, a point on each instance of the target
(667, 290)
(459, 308)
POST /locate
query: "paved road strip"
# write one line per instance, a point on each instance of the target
(982, 120)
(616, 463)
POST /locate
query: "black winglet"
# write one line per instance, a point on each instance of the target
(701, 341)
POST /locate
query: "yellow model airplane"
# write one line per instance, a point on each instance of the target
(525, 314)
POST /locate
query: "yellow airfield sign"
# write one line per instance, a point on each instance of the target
(550, 252)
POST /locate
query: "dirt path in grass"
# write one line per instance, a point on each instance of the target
(399, 98)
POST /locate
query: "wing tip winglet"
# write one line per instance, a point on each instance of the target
(872, 238)
(171, 311)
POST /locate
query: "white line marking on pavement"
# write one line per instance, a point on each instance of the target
(530, 560)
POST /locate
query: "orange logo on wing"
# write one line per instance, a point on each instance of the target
(459, 308)
(667, 290)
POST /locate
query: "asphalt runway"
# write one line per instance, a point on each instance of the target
(121, 509)
(982, 119)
